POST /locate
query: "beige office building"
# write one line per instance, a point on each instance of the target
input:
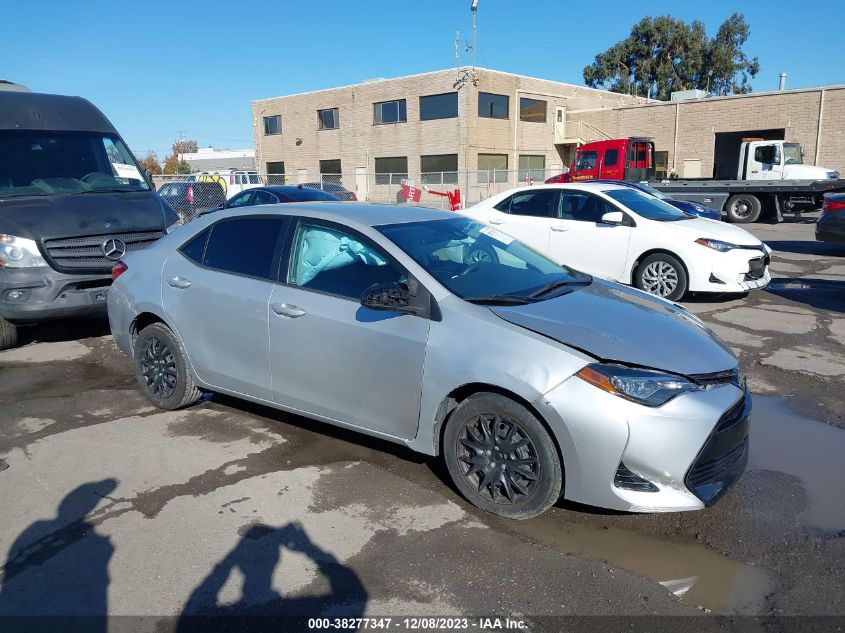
(480, 130)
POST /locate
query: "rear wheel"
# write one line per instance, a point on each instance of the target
(501, 458)
(743, 208)
(162, 368)
(8, 334)
(663, 275)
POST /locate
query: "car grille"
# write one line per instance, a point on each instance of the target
(727, 377)
(85, 254)
(724, 456)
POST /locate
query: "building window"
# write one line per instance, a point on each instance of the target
(328, 119)
(492, 106)
(391, 170)
(390, 112)
(273, 124)
(439, 169)
(443, 106)
(492, 168)
(330, 170)
(276, 173)
(532, 110)
(531, 169)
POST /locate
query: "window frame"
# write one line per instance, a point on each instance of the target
(290, 243)
(335, 114)
(278, 249)
(482, 94)
(495, 172)
(399, 109)
(448, 177)
(440, 118)
(271, 117)
(390, 174)
(545, 110)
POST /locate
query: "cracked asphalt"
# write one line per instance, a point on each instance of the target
(110, 506)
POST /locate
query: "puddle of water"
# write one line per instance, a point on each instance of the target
(807, 449)
(699, 576)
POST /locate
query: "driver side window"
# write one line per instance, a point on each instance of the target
(583, 207)
(334, 262)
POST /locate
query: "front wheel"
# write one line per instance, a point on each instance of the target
(663, 275)
(501, 458)
(8, 334)
(162, 368)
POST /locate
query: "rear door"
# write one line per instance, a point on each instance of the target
(526, 215)
(581, 240)
(216, 292)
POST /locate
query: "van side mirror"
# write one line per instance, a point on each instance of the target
(613, 217)
(148, 177)
(393, 296)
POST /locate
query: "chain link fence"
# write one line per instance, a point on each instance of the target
(192, 194)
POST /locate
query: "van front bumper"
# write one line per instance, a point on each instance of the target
(38, 294)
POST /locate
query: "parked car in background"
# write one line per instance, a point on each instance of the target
(692, 207)
(275, 194)
(830, 227)
(333, 188)
(378, 318)
(232, 181)
(189, 198)
(72, 201)
(622, 234)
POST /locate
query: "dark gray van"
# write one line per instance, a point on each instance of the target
(73, 200)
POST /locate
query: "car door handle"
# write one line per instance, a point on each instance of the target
(754, 171)
(178, 282)
(497, 221)
(287, 310)
(559, 229)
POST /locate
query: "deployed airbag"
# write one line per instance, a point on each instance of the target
(324, 249)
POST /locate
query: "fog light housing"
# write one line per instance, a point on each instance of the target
(629, 480)
(16, 296)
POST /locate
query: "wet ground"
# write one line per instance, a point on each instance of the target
(109, 505)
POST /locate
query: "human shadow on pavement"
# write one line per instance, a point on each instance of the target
(822, 294)
(56, 572)
(260, 606)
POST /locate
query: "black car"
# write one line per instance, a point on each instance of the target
(274, 194)
(333, 188)
(191, 198)
(830, 226)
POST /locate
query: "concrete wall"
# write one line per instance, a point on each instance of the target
(687, 129)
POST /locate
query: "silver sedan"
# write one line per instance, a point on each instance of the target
(532, 381)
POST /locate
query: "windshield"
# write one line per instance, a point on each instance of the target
(792, 154)
(479, 263)
(44, 163)
(650, 191)
(646, 206)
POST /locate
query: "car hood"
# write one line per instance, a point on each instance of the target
(694, 207)
(616, 323)
(37, 217)
(713, 229)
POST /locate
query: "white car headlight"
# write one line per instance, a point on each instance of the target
(716, 245)
(19, 252)
(644, 386)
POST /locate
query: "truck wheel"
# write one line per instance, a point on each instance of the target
(8, 334)
(743, 208)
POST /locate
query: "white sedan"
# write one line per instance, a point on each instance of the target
(622, 234)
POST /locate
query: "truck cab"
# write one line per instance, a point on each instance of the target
(73, 200)
(777, 160)
(616, 159)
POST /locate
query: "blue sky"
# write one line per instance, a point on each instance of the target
(158, 67)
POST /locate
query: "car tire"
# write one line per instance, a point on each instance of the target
(162, 368)
(8, 334)
(526, 480)
(480, 255)
(663, 275)
(743, 208)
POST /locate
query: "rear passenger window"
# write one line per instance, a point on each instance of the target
(538, 203)
(246, 246)
(195, 248)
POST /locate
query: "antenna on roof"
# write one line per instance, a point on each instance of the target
(469, 75)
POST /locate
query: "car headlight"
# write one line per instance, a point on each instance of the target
(716, 245)
(19, 252)
(644, 386)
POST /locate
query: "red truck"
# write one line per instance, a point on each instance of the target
(770, 176)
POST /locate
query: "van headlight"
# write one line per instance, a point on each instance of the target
(644, 386)
(716, 245)
(19, 252)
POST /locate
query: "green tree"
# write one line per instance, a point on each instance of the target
(663, 54)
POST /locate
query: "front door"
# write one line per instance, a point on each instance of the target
(332, 357)
(764, 161)
(216, 292)
(581, 240)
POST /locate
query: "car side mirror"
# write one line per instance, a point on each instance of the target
(393, 297)
(613, 217)
(221, 206)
